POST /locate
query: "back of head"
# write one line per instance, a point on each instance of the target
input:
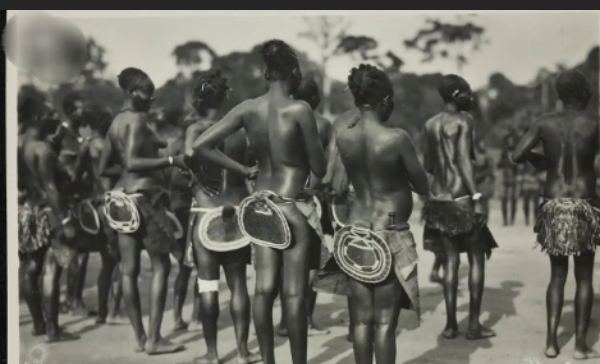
(99, 118)
(369, 85)
(209, 92)
(308, 92)
(452, 86)
(280, 60)
(45, 119)
(573, 89)
(132, 79)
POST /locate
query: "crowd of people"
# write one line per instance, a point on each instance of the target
(265, 183)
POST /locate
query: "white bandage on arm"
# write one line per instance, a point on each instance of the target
(207, 286)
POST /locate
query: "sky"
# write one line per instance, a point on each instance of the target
(519, 43)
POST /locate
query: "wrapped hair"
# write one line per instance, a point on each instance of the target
(369, 85)
(132, 78)
(451, 86)
(279, 57)
(210, 90)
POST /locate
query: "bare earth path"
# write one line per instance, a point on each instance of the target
(514, 305)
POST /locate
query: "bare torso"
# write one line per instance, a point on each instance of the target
(119, 138)
(442, 133)
(570, 142)
(232, 187)
(371, 156)
(277, 144)
(101, 184)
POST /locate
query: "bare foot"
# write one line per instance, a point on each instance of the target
(39, 329)
(163, 346)
(552, 351)
(79, 309)
(480, 334)
(450, 333)
(180, 325)
(64, 307)
(207, 359)
(434, 277)
(317, 331)
(195, 326)
(249, 359)
(585, 354)
(281, 331)
(60, 336)
(141, 346)
(116, 320)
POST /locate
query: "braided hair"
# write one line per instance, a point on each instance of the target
(280, 59)
(210, 91)
(573, 88)
(369, 85)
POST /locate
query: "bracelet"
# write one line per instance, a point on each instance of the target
(66, 220)
(170, 160)
(476, 196)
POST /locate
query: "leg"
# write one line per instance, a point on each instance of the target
(239, 306)
(350, 336)
(116, 292)
(311, 303)
(130, 250)
(51, 296)
(526, 201)
(34, 263)
(161, 267)
(505, 194)
(513, 203)
(434, 276)
(281, 329)
(386, 307)
(207, 263)
(196, 322)
(554, 301)
(476, 256)
(295, 276)
(450, 286)
(104, 285)
(584, 297)
(268, 268)
(180, 293)
(363, 322)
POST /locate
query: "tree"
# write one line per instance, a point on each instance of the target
(193, 56)
(446, 40)
(330, 36)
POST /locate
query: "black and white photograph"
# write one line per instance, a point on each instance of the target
(304, 187)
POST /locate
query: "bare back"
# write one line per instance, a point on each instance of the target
(232, 186)
(278, 143)
(449, 144)
(570, 143)
(101, 183)
(373, 160)
(119, 136)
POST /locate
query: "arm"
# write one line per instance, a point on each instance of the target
(83, 160)
(464, 154)
(426, 158)
(417, 176)
(490, 170)
(312, 141)
(527, 143)
(207, 142)
(46, 163)
(135, 163)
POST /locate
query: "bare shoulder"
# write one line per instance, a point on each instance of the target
(322, 121)
(344, 119)
(300, 108)
(430, 123)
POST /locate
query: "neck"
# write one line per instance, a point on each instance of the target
(368, 114)
(128, 104)
(451, 107)
(212, 114)
(279, 88)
